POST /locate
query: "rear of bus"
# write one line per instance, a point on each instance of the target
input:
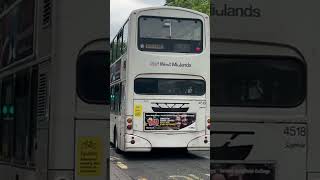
(168, 80)
(259, 77)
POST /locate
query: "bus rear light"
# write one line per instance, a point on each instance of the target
(209, 123)
(133, 141)
(129, 123)
(129, 120)
(198, 49)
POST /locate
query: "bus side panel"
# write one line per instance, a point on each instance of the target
(7, 171)
(24, 174)
(44, 29)
(313, 176)
(275, 149)
(313, 99)
(91, 149)
(313, 89)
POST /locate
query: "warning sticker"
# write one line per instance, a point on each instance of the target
(89, 156)
(138, 110)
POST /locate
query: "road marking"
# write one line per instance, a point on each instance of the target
(175, 177)
(113, 158)
(206, 157)
(195, 177)
(121, 165)
(207, 175)
(142, 178)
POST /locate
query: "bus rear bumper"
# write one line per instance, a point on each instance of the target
(140, 144)
(201, 143)
(136, 143)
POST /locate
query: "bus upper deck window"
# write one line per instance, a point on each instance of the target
(161, 34)
(258, 82)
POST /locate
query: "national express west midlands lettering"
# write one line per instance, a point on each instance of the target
(228, 10)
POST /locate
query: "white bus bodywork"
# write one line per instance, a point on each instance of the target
(144, 64)
(63, 32)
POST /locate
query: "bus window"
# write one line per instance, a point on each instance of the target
(155, 86)
(256, 82)
(32, 127)
(117, 98)
(112, 99)
(93, 78)
(7, 119)
(170, 35)
(22, 103)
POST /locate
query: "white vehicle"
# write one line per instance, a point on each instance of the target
(53, 80)
(265, 92)
(160, 81)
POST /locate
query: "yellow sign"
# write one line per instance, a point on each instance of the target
(137, 110)
(89, 156)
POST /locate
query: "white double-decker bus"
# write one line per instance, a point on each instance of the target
(160, 81)
(53, 90)
(265, 89)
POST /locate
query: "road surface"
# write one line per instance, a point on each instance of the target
(161, 165)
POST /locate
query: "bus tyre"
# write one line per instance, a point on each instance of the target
(185, 150)
(116, 144)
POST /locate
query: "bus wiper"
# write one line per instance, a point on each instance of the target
(170, 109)
(168, 25)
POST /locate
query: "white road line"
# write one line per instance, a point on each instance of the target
(206, 157)
(172, 178)
(207, 175)
(195, 177)
(113, 158)
(121, 165)
(142, 178)
(176, 177)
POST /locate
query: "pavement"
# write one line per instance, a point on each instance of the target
(117, 174)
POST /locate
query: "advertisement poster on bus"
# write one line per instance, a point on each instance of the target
(16, 29)
(170, 121)
(242, 171)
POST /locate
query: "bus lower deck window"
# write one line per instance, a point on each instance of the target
(162, 86)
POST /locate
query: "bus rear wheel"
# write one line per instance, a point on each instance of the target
(116, 144)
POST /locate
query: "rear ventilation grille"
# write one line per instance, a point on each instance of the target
(46, 13)
(42, 109)
(170, 107)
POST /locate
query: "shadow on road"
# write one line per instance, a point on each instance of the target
(164, 154)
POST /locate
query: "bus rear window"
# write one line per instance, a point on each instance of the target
(257, 82)
(154, 86)
(163, 34)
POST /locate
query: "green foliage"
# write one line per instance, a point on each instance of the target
(198, 5)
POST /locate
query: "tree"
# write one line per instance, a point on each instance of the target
(198, 5)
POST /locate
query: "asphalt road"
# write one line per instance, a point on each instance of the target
(162, 165)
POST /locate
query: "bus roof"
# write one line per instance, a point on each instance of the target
(167, 7)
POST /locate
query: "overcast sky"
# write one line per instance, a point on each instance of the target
(120, 10)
